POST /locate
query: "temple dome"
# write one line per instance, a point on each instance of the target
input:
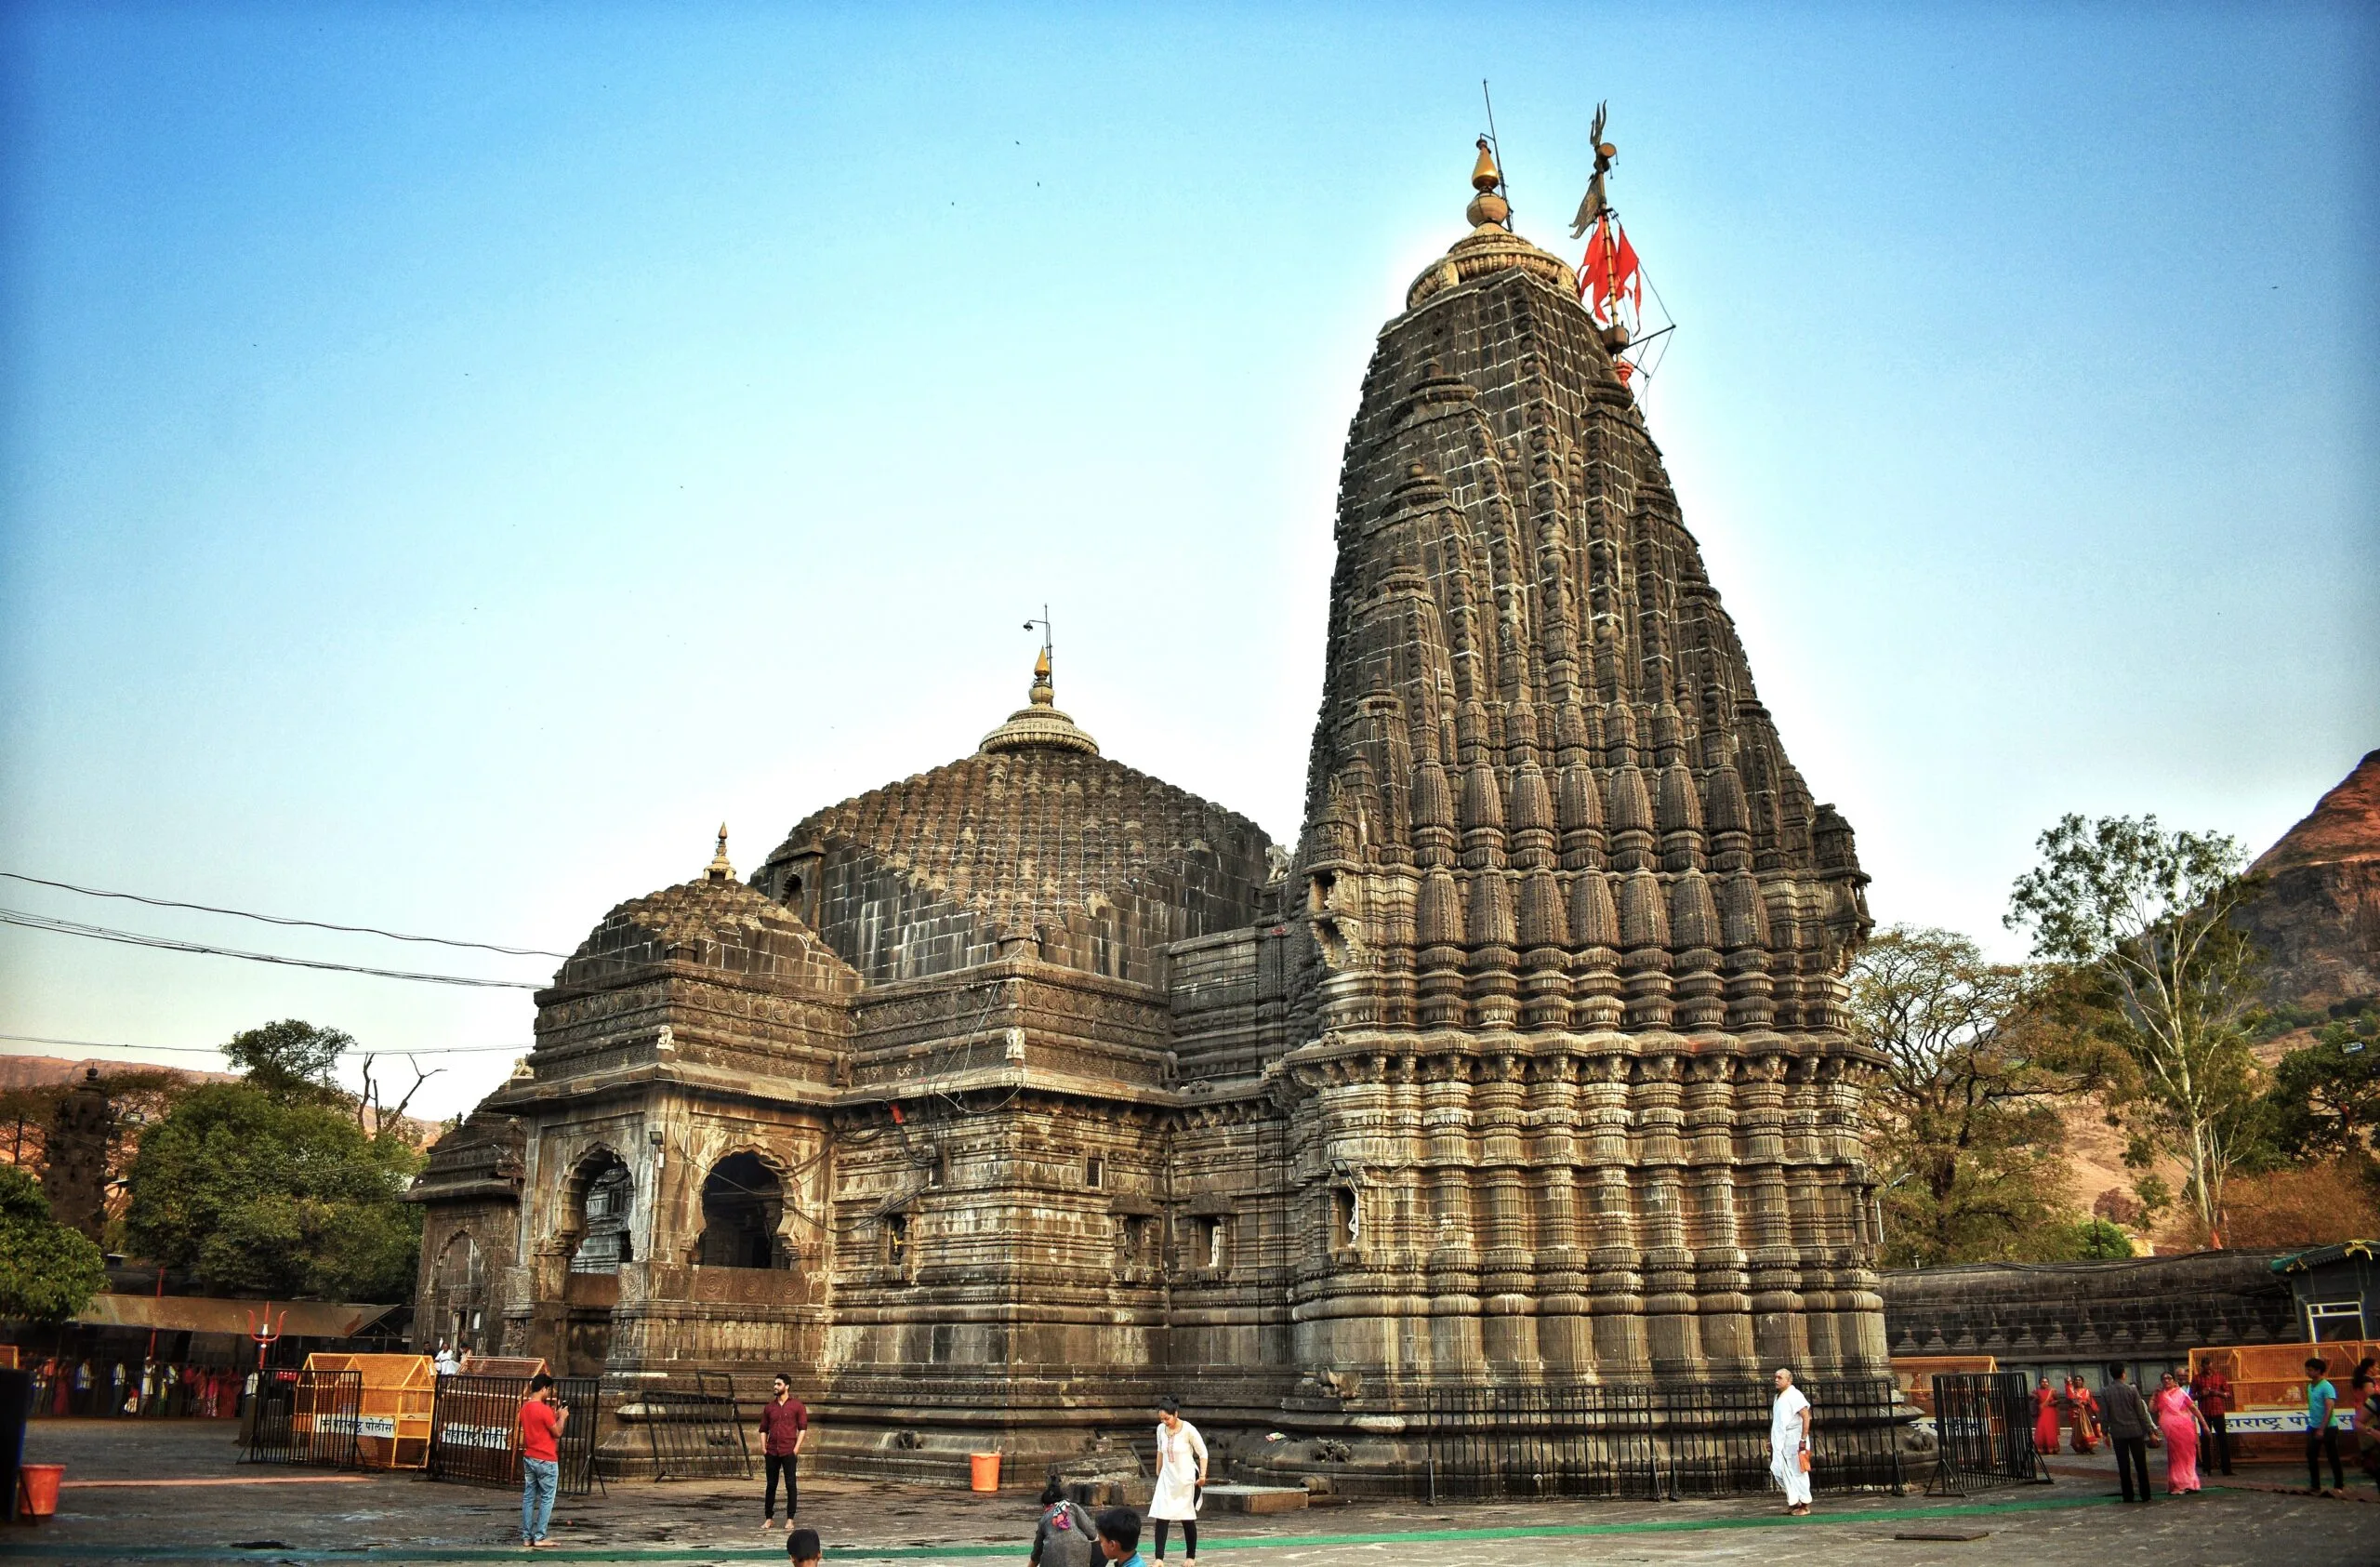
(1034, 845)
(1489, 247)
(713, 920)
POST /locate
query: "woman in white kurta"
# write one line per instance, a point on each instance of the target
(1180, 1477)
(1789, 1437)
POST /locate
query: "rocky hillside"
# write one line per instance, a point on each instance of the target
(2318, 916)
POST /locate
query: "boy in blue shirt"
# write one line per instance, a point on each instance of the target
(1120, 1536)
(2320, 1435)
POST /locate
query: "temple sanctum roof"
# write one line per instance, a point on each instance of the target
(1036, 843)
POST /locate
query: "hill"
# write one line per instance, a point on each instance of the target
(2319, 915)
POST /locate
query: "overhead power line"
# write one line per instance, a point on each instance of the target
(283, 920)
(135, 938)
(217, 1050)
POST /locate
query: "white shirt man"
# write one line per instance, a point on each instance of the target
(1789, 1441)
(444, 1363)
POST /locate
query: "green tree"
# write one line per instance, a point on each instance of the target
(1967, 1138)
(254, 1193)
(2141, 923)
(47, 1273)
(2324, 1102)
(290, 1059)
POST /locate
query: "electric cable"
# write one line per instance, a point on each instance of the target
(135, 938)
(282, 920)
(216, 1049)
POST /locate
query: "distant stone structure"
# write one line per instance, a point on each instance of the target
(2050, 1319)
(1010, 1096)
(74, 1160)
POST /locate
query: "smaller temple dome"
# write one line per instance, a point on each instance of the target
(1038, 725)
(715, 921)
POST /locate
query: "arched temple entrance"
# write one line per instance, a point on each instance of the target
(597, 1206)
(743, 1205)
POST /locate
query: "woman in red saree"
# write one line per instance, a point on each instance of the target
(2045, 1420)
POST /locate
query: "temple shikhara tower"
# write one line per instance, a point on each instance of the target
(1005, 1097)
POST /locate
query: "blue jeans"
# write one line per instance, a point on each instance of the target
(538, 1477)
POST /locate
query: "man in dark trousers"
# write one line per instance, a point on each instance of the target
(2213, 1390)
(2126, 1418)
(785, 1425)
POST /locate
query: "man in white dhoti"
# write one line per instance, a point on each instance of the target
(1788, 1443)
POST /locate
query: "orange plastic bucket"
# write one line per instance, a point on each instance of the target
(983, 1471)
(39, 1483)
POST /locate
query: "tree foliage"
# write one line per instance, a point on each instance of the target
(290, 1059)
(2139, 921)
(47, 1273)
(1967, 1134)
(275, 1192)
(2324, 1101)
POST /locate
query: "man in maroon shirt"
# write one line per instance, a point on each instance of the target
(785, 1424)
(2213, 1390)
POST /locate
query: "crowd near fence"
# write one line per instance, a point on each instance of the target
(1652, 1439)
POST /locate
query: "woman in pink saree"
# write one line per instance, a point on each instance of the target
(2179, 1422)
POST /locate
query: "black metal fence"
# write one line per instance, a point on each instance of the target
(693, 1427)
(475, 1431)
(308, 1417)
(1652, 1439)
(1983, 1431)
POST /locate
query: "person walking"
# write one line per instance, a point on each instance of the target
(541, 1428)
(785, 1425)
(2179, 1422)
(83, 1386)
(2215, 1400)
(1788, 1443)
(2085, 1410)
(1066, 1536)
(2321, 1400)
(2045, 1419)
(1181, 1479)
(2367, 1430)
(2127, 1422)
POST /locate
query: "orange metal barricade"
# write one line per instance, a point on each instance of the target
(2268, 1416)
(392, 1420)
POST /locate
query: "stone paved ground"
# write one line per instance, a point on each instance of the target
(218, 1512)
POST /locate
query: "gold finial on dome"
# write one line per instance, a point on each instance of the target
(1487, 209)
(1040, 722)
(719, 869)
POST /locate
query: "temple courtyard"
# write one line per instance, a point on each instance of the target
(171, 1491)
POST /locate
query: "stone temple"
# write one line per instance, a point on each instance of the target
(1003, 1098)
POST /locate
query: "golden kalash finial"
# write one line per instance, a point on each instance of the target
(719, 869)
(1487, 209)
(1043, 695)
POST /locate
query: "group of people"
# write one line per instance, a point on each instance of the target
(2186, 1418)
(64, 1387)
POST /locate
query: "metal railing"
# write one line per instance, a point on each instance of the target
(308, 1417)
(1983, 1431)
(475, 1431)
(693, 1427)
(1654, 1440)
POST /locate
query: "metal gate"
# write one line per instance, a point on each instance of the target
(475, 1431)
(310, 1417)
(1652, 1439)
(694, 1432)
(1983, 1428)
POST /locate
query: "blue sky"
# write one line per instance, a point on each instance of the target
(455, 456)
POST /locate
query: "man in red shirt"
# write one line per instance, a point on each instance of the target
(541, 1424)
(785, 1425)
(2213, 1390)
